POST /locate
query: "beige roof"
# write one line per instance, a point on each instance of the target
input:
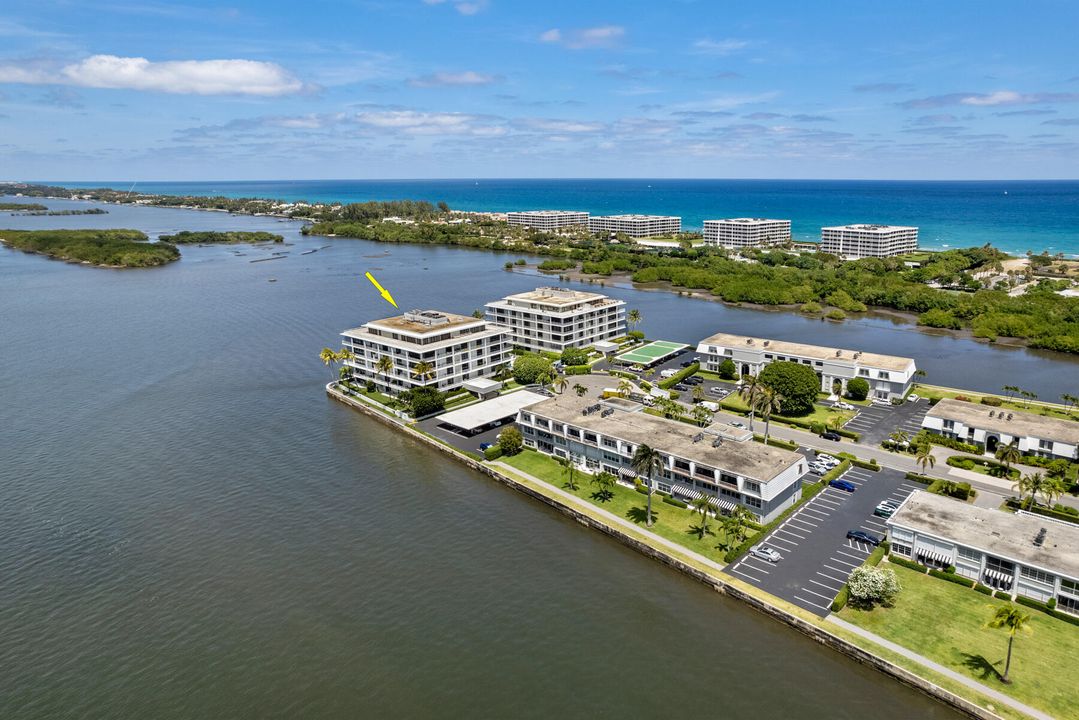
(818, 352)
(1006, 535)
(748, 459)
(880, 229)
(1021, 423)
(401, 322)
(558, 296)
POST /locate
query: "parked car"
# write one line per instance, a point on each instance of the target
(484, 446)
(669, 372)
(818, 469)
(839, 405)
(845, 485)
(766, 552)
(863, 536)
(885, 509)
(693, 380)
(716, 390)
(913, 397)
(830, 435)
(686, 363)
(681, 387)
(826, 459)
(736, 424)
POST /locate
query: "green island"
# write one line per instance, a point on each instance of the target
(22, 206)
(53, 213)
(230, 237)
(101, 248)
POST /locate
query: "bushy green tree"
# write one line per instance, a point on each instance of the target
(529, 368)
(797, 383)
(574, 356)
(728, 370)
(423, 401)
(870, 585)
(858, 388)
(511, 441)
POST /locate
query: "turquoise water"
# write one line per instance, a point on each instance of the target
(1011, 215)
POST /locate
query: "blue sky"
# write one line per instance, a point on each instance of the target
(153, 90)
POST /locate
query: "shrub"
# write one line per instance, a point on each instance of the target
(369, 386)
(952, 577)
(643, 490)
(1031, 603)
(841, 599)
(674, 501)
(508, 265)
(727, 370)
(811, 308)
(835, 472)
(493, 453)
(577, 369)
(1002, 595)
(836, 314)
(521, 261)
(992, 401)
(797, 383)
(574, 356)
(858, 388)
(816, 427)
(983, 589)
(528, 368)
(877, 555)
(923, 479)
(511, 441)
(1051, 603)
(423, 401)
(909, 564)
(869, 585)
(679, 376)
(635, 334)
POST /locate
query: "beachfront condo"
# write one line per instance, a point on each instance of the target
(554, 319)
(455, 348)
(602, 435)
(746, 232)
(861, 241)
(889, 376)
(548, 220)
(636, 225)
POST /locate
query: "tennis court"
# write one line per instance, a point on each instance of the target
(651, 353)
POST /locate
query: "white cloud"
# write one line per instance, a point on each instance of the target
(192, 77)
(469, 7)
(462, 78)
(594, 37)
(719, 47)
(414, 122)
(563, 126)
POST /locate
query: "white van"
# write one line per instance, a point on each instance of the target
(669, 372)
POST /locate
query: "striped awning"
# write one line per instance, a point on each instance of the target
(726, 505)
(687, 491)
(933, 556)
(997, 576)
(627, 472)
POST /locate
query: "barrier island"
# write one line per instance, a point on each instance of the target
(119, 248)
(230, 237)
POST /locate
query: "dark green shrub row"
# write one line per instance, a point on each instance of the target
(577, 370)
(1037, 510)
(876, 556)
(909, 564)
(836, 471)
(841, 598)
(992, 401)
(641, 489)
(679, 376)
(948, 442)
(493, 453)
(777, 442)
(952, 577)
(1049, 608)
(923, 479)
(674, 501)
(959, 491)
(870, 465)
(817, 427)
(1002, 595)
(983, 589)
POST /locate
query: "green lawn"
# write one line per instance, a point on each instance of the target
(1035, 408)
(822, 414)
(946, 623)
(672, 523)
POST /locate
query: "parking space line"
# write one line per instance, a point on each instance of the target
(838, 580)
(823, 515)
(754, 567)
(800, 521)
(832, 567)
(813, 592)
(790, 532)
(814, 604)
(750, 577)
(787, 542)
(843, 562)
(859, 558)
(826, 587)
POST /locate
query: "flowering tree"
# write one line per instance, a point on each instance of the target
(870, 585)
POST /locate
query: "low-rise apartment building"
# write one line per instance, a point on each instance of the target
(746, 232)
(604, 434)
(989, 428)
(456, 348)
(548, 220)
(1021, 553)
(861, 241)
(636, 225)
(889, 376)
(554, 319)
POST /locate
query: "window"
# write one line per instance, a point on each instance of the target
(559, 427)
(1001, 566)
(752, 501)
(729, 493)
(590, 437)
(663, 487)
(752, 487)
(1069, 586)
(1036, 575)
(608, 442)
(901, 535)
(681, 464)
(900, 549)
(574, 432)
(969, 554)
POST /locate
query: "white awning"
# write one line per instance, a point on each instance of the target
(486, 412)
(687, 491)
(933, 556)
(627, 473)
(998, 576)
(726, 505)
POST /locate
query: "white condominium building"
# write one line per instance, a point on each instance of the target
(548, 220)
(860, 241)
(636, 225)
(746, 232)
(990, 428)
(888, 376)
(557, 318)
(455, 347)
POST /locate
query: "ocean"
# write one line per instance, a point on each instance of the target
(1014, 216)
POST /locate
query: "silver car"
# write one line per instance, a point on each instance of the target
(766, 552)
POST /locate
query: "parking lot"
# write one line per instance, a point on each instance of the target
(876, 422)
(817, 555)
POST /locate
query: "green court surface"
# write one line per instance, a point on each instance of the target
(650, 353)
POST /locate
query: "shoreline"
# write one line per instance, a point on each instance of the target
(688, 565)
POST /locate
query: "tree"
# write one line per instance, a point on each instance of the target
(648, 462)
(858, 388)
(423, 370)
(511, 441)
(797, 383)
(560, 384)
(569, 471)
(423, 401)
(727, 369)
(900, 437)
(574, 356)
(633, 317)
(625, 387)
(1009, 454)
(1029, 485)
(698, 393)
(503, 372)
(705, 505)
(749, 393)
(605, 482)
(701, 415)
(1052, 488)
(870, 585)
(835, 421)
(528, 368)
(328, 358)
(738, 519)
(768, 402)
(384, 365)
(923, 454)
(478, 314)
(580, 389)
(1013, 620)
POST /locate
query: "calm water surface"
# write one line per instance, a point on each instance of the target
(189, 528)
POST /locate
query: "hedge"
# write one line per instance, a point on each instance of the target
(641, 489)
(937, 439)
(808, 492)
(577, 370)
(679, 376)
(983, 589)
(808, 425)
(675, 501)
(923, 479)
(777, 442)
(493, 453)
(909, 564)
(836, 471)
(871, 465)
(952, 577)
(1002, 595)
(962, 490)
(841, 598)
(1047, 609)
(1067, 517)
(1032, 603)
(876, 556)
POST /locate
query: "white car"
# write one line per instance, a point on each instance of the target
(842, 406)
(913, 398)
(766, 552)
(826, 459)
(739, 425)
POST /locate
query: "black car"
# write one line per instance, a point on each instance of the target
(863, 536)
(693, 380)
(830, 435)
(681, 387)
(686, 363)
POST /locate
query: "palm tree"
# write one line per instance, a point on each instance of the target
(1013, 620)
(570, 471)
(633, 317)
(698, 393)
(605, 482)
(1008, 390)
(705, 505)
(739, 517)
(768, 402)
(503, 371)
(328, 358)
(923, 455)
(384, 365)
(1052, 488)
(750, 392)
(423, 370)
(580, 389)
(625, 387)
(561, 383)
(648, 462)
(1009, 454)
(701, 415)
(900, 437)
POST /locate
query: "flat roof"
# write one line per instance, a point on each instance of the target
(636, 217)
(1006, 535)
(819, 352)
(558, 296)
(406, 322)
(1021, 423)
(487, 411)
(866, 227)
(749, 459)
(548, 212)
(747, 221)
(653, 352)
(481, 384)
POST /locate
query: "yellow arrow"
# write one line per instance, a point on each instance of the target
(385, 293)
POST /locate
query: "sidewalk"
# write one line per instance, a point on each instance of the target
(963, 679)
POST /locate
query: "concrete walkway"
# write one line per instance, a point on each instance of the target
(609, 517)
(996, 695)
